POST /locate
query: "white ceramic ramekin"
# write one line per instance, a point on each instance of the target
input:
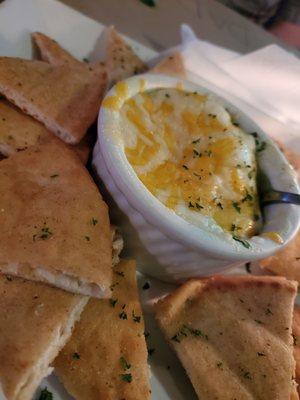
(165, 245)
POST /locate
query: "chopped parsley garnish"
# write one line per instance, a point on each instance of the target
(76, 356)
(220, 206)
(248, 267)
(195, 205)
(46, 395)
(136, 318)
(196, 141)
(94, 221)
(196, 153)
(258, 322)
(124, 364)
(219, 365)
(120, 273)
(208, 153)
(44, 234)
(261, 146)
(185, 331)
(235, 124)
(167, 95)
(146, 286)
(247, 375)
(113, 302)
(149, 3)
(185, 167)
(268, 312)
(54, 176)
(126, 377)
(85, 59)
(235, 205)
(261, 354)
(242, 241)
(87, 238)
(248, 197)
(123, 315)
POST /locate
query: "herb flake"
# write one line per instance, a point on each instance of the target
(124, 364)
(242, 241)
(126, 378)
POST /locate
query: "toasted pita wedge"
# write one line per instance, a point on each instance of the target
(54, 223)
(233, 336)
(296, 336)
(19, 131)
(106, 357)
(172, 65)
(120, 59)
(51, 52)
(286, 262)
(35, 323)
(65, 99)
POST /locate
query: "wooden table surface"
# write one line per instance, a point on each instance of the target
(158, 27)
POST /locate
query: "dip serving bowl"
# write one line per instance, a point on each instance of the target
(165, 245)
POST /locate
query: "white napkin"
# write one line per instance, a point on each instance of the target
(265, 83)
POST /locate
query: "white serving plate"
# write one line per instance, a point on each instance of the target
(79, 34)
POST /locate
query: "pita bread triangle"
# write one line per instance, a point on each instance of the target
(65, 99)
(35, 322)
(54, 223)
(120, 59)
(19, 131)
(285, 262)
(172, 65)
(51, 52)
(233, 336)
(115, 328)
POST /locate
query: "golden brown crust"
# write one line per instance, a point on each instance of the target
(35, 322)
(59, 221)
(110, 334)
(233, 336)
(65, 99)
(120, 59)
(171, 65)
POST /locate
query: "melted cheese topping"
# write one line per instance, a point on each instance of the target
(187, 151)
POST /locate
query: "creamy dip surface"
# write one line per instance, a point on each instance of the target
(190, 154)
